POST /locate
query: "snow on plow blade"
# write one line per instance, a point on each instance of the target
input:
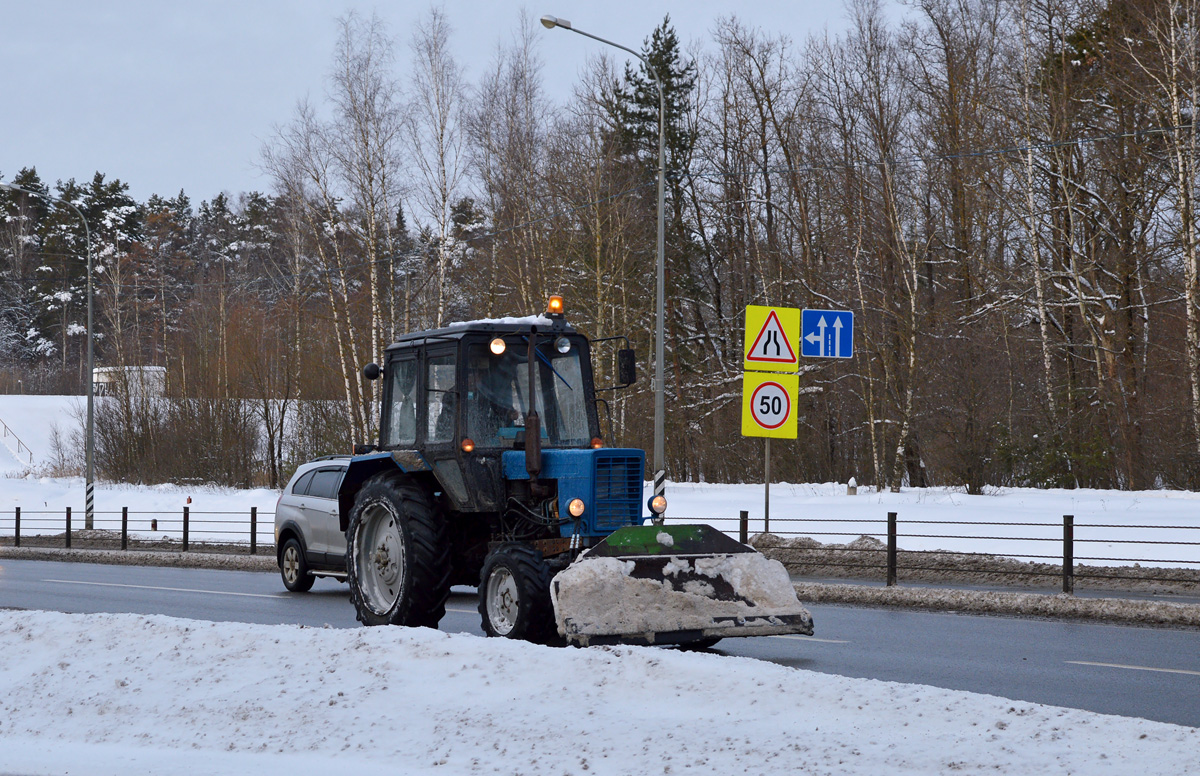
(671, 585)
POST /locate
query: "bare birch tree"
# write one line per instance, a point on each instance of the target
(436, 134)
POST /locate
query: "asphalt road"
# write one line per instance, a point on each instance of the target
(1152, 673)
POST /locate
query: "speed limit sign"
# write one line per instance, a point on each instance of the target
(769, 405)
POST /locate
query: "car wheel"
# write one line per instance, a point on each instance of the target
(293, 567)
(398, 555)
(514, 595)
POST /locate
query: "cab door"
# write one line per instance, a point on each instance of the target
(443, 417)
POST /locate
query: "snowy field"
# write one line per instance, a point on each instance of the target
(816, 510)
(129, 694)
(32, 420)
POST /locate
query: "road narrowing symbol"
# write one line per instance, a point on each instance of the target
(769, 405)
(770, 332)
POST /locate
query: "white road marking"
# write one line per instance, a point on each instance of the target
(1135, 668)
(810, 638)
(168, 589)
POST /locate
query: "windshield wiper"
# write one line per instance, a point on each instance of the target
(546, 361)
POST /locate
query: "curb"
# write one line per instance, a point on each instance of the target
(1114, 610)
(195, 560)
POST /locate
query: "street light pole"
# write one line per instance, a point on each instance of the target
(89, 455)
(550, 22)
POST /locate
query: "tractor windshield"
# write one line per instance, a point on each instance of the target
(498, 395)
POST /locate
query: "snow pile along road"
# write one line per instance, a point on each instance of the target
(119, 694)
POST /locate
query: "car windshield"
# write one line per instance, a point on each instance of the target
(497, 395)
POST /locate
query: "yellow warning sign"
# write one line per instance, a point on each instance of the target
(769, 405)
(772, 339)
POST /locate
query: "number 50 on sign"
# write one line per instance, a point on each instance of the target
(769, 405)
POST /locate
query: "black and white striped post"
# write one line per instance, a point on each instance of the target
(660, 487)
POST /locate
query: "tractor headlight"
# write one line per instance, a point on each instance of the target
(497, 346)
(562, 345)
(575, 507)
(657, 504)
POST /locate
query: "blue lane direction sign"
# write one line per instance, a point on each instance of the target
(827, 334)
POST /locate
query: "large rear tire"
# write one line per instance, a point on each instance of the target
(397, 555)
(514, 595)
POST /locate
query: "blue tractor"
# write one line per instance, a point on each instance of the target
(491, 471)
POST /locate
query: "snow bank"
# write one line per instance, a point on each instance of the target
(120, 694)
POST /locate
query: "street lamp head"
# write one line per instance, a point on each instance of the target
(550, 22)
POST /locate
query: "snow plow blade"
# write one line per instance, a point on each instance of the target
(674, 585)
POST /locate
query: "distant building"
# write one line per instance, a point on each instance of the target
(141, 380)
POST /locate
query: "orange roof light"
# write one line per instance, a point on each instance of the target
(468, 445)
(555, 305)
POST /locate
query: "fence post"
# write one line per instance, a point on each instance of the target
(253, 530)
(185, 528)
(17, 529)
(124, 528)
(1068, 568)
(68, 534)
(743, 526)
(891, 550)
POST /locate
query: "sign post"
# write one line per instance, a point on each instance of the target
(769, 401)
(775, 338)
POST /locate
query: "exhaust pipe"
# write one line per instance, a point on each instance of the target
(533, 423)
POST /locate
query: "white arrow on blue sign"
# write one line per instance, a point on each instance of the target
(827, 333)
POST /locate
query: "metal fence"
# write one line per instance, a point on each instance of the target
(175, 530)
(1073, 551)
(863, 548)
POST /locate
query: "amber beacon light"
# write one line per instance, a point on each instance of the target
(555, 305)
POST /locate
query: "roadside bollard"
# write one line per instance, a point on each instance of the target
(68, 533)
(1068, 564)
(891, 550)
(124, 528)
(743, 526)
(17, 530)
(185, 528)
(253, 530)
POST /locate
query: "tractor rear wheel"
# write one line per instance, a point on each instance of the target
(514, 595)
(397, 555)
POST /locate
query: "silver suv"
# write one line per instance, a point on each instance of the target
(308, 540)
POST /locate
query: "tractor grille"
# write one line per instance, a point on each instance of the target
(618, 490)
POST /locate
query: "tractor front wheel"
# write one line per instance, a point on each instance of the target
(514, 595)
(397, 555)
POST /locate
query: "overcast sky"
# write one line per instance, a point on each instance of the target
(170, 96)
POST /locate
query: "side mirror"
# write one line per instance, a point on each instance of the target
(372, 371)
(626, 367)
